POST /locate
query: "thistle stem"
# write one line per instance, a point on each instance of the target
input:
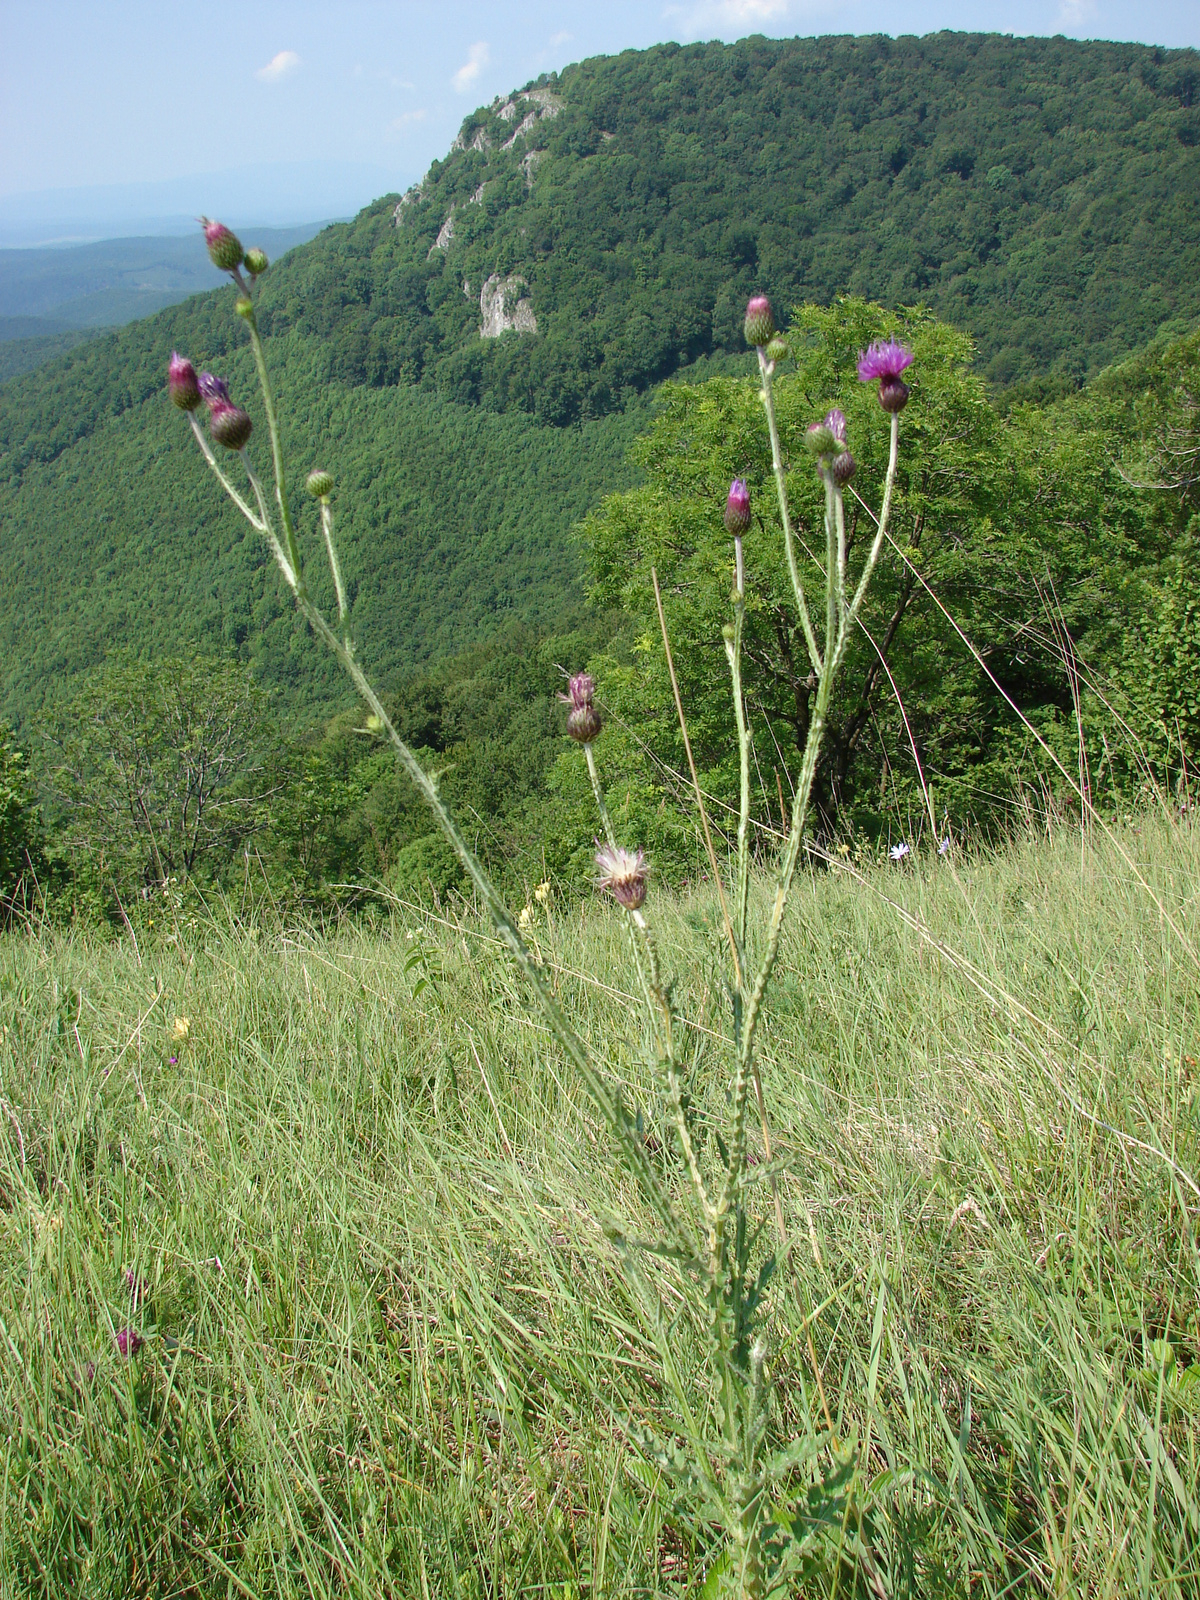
(789, 542)
(285, 515)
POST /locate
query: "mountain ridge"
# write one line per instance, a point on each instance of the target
(1047, 199)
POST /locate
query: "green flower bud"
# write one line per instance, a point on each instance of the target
(256, 261)
(224, 247)
(244, 306)
(319, 484)
(777, 348)
(760, 324)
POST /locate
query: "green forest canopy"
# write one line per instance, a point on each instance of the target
(1039, 194)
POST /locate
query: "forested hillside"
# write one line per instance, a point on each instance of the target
(1041, 195)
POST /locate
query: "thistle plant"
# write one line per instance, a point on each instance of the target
(726, 1454)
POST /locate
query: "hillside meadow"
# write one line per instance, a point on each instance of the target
(340, 1199)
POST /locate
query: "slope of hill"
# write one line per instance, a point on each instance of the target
(1043, 194)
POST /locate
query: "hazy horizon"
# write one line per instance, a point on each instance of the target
(328, 108)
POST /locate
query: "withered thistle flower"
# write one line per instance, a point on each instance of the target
(229, 424)
(212, 390)
(583, 720)
(623, 873)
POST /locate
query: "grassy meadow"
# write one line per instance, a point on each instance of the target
(356, 1216)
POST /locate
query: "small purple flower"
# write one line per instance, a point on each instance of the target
(836, 423)
(181, 382)
(174, 1060)
(760, 321)
(213, 391)
(886, 359)
(899, 851)
(737, 507)
(944, 847)
(623, 873)
(583, 720)
(129, 1341)
(224, 246)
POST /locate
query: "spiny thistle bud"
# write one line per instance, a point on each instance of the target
(224, 247)
(181, 382)
(843, 468)
(821, 441)
(737, 507)
(583, 720)
(129, 1341)
(623, 873)
(886, 360)
(256, 261)
(244, 307)
(777, 348)
(319, 483)
(229, 425)
(760, 324)
(835, 421)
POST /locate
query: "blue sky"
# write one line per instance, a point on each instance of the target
(142, 92)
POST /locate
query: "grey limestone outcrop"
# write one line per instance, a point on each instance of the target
(503, 308)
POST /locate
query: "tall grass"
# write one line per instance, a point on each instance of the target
(390, 1352)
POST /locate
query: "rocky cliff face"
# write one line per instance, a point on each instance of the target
(503, 309)
(504, 302)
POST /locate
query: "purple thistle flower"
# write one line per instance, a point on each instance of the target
(836, 423)
(129, 1341)
(623, 873)
(843, 469)
(760, 321)
(883, 359)
(583, 720)
(212, 390)
(224, 246)
(886, 360)
(737, 507)
(181, 382)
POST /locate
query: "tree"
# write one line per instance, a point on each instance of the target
(162, 770)
(20, 830)
(954, 474)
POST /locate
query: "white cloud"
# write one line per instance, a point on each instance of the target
(476, 60)
(561, 38)
(711, 17)
(279, 66)
(1076, 14)
(405, 118)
